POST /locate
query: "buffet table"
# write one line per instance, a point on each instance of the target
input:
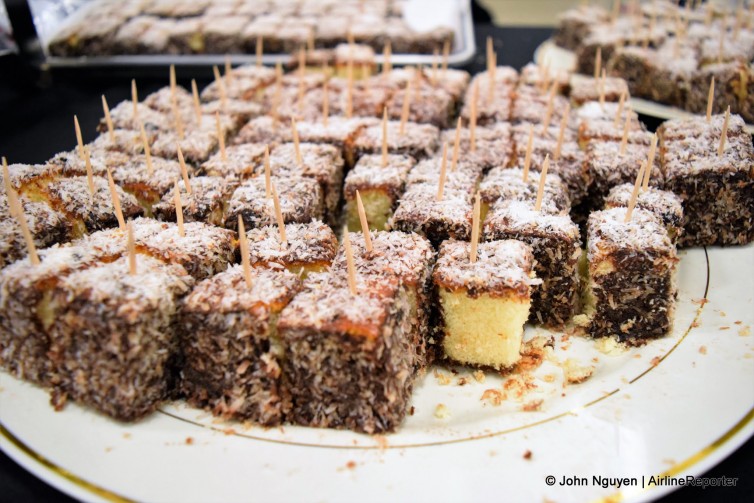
(37, 109)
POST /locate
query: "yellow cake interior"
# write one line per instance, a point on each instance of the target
(485, 330)
(377, 206)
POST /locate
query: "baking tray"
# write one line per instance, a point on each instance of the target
(462, 51)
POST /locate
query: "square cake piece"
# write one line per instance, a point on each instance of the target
(556, 247)
(231, 346)
(507, 184)
(484, 304)
(717, 190)
(493, 145)
(379, 186)
(630, 289)
(123, 364)
(309, 247)
(301, 201)
(418, 140)
(667, 206)
(240, 163)
(206, 203)
(349, 358)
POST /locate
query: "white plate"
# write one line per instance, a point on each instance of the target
(676, 407)
(560, 58)
(419, 13)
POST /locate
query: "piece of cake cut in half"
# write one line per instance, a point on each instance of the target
(483, 305)
(206, 202)
(630, 288)
(230, 344)
(301, 201)
(379, 186)
(717, 190)
(122, 364)
(556, 247)
(408, 257)
(25, 313)
(349, 358)
(309, 247)
(667, 206)
(89, 212)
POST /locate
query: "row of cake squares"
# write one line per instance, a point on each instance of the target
(203, 28)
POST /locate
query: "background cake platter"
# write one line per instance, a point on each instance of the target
(557, 57)
(674, 407)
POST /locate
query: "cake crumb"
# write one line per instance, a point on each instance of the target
(581, 320)
(701, 302)
(351, 465)
(695, 324)
(519, 385)
(108, 449)
(495, 397)
(189, 441)
(655, 361)
(532, 405)
(527, 455)
(443, 379)
(548, 378)
(229, 431)
(479, 376)
(441, 411)
(610, 346)
(722, 313)
(411, 411)
(534, 352)
(725, 328)
(576, 373)
(703, 350)
(381, 441)
(462, 381)
(744, 331)
(737, 322)
(126, 435)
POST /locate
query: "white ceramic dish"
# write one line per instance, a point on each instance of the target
(558, 57)
(419, 13)
(674, 407)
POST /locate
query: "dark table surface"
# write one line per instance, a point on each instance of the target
(37, 110)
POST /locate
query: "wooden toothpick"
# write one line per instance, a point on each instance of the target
(472, 119)
(650, 161)
(387, 65)
(135, 99)
(619, 112)
(296, 144)
(184, 169)
(710, 98)
(279, 215)
(243, 244)
(601, 87)
(527, 157)
(724, 134)
(561, 133)
(131, 250)
(173, 83)
(220, 87)
(197, 104)
(228, 69)
(260, 50)
(89, 173)
(178, 209)
(16, 209)
(364, 223)
(635, 193)
(598, 63)
(301, 78)
(406, 108)
(384, 137)
(108, 120)
(79, 139)
(475, 228)
(349, 262)
(542, 178)
(445, 56)
(456, 145)
(147, 150)
(220, 137)
(443, 171)
(267, 177)
(115, 200)
(624, 139)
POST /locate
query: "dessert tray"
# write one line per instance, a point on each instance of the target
(558, 57)
(670, 409)
(422, 14)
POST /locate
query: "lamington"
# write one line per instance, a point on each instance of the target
(507, 184)
(240, 161)
(630, 288)
(89, 212)
(308, 248)
(231, 347)
(493, 145)
(206, 202)
(379, 186)
(585, 89)
(122, 364)
(484, 304)
(717, 190)
(417, 140)
(556, 247)
(667, 206)
(301, 201)
(350, 358)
